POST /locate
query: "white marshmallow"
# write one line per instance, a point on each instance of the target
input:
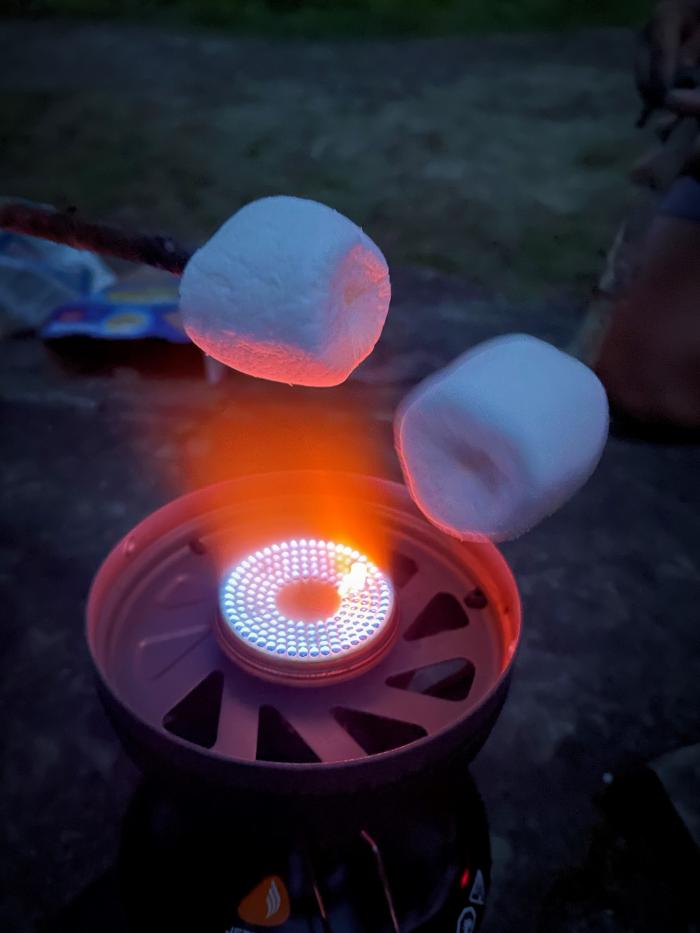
(288, 290)
(501, 438)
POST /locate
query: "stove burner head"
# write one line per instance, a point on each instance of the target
(306, 609)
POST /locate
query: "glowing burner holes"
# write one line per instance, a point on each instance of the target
(307, 600)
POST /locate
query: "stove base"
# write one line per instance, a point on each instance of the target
(410, 859)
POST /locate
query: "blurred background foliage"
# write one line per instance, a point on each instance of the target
(499, 153)
(352, 17)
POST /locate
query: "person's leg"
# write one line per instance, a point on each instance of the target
(649, 361)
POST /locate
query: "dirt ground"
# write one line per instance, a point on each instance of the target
(606, 678)
(500, 159)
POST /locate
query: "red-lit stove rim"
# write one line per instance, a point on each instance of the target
(487, 568)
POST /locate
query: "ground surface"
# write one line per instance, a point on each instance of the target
(607, 675)
(501, 158)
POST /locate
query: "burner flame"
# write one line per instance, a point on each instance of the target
(354, 581)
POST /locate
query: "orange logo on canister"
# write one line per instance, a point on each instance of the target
(267, 905)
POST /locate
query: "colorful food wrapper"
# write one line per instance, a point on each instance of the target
(127, 311)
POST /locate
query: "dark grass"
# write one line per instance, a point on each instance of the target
(319, 18)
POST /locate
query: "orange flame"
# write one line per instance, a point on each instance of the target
(353, 581)
(249, 426)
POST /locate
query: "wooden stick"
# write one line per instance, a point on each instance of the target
(66, 227)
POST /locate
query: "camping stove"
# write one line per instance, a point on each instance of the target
(304, 708)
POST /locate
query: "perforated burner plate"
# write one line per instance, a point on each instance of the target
(449, 612)
(306, 608)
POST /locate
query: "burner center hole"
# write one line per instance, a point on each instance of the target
(308, 600)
